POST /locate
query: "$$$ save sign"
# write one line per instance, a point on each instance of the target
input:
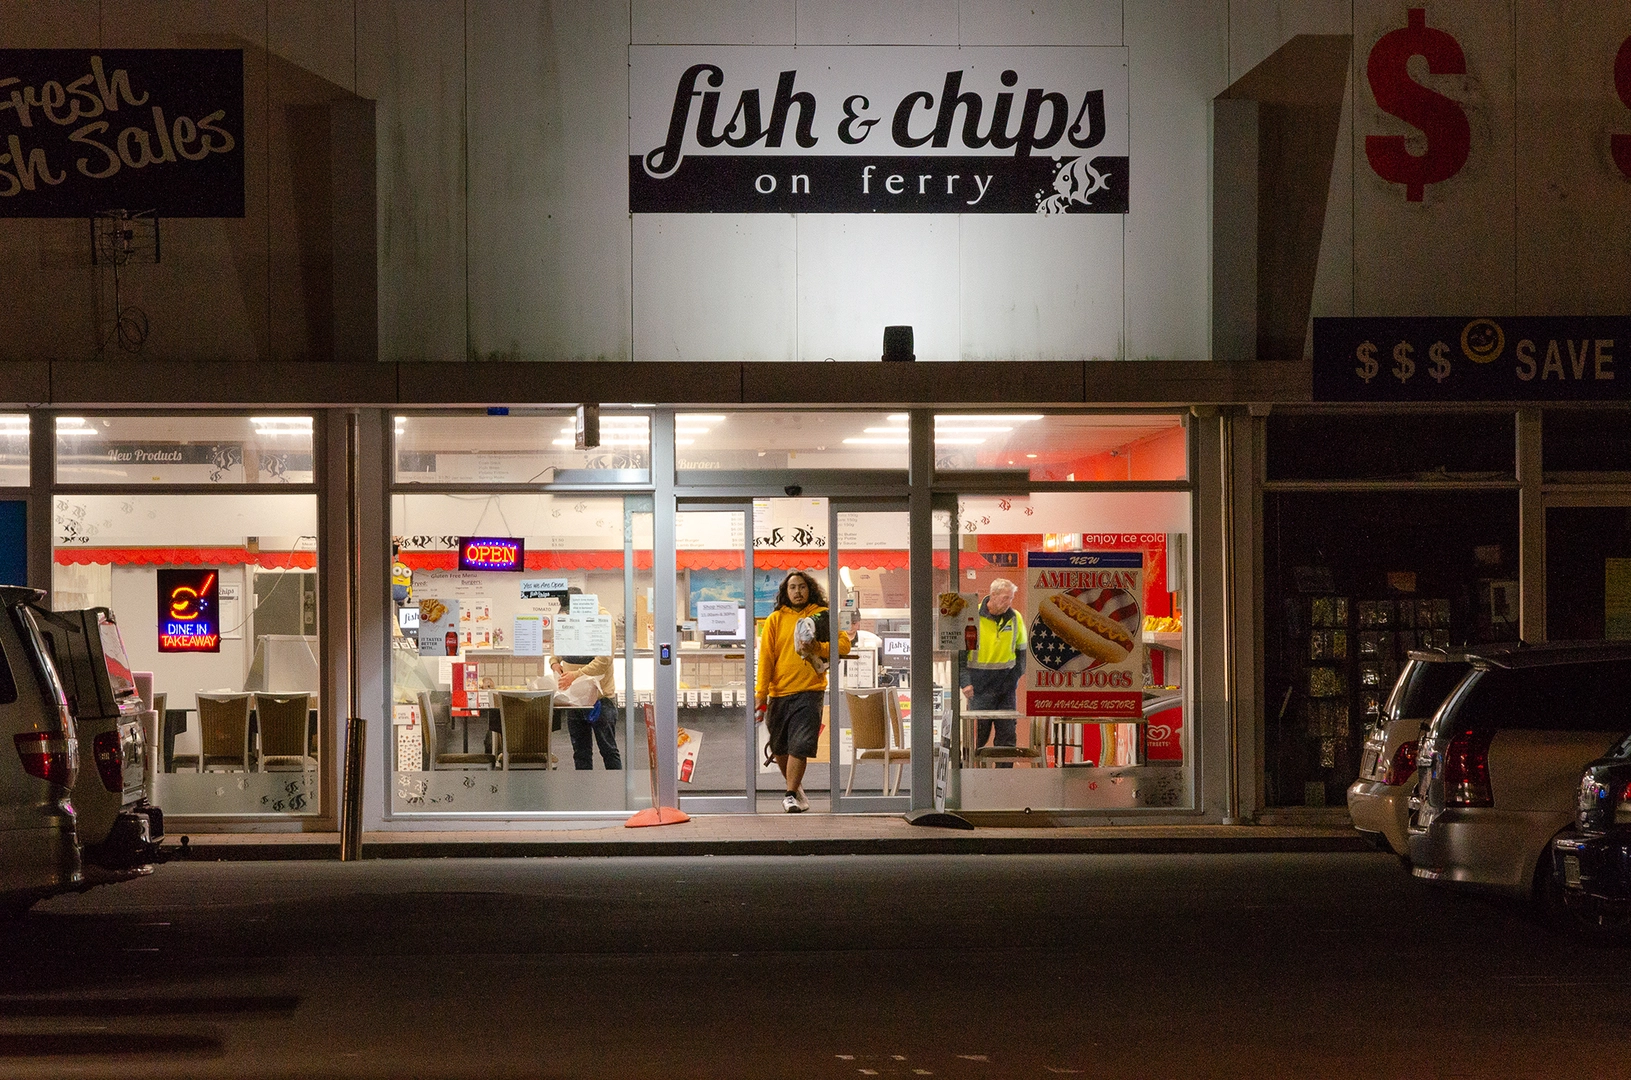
(745, 129)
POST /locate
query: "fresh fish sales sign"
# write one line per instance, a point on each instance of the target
(1085, 620)
(870, 129)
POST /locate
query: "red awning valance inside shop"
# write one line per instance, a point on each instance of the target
(683, 560)
(185, 556)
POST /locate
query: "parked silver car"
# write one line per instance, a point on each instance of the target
(39, 852)
(119, 827)
(1499, 768)
(1379, 801)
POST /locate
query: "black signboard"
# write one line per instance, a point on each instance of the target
(1473, 358)
(140, 130)
(888, 185)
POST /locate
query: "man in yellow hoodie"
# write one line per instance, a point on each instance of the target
(788, 694)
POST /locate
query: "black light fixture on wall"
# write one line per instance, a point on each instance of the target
(897, 343)
(586, 428)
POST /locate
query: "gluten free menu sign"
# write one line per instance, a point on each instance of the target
(1085, 618)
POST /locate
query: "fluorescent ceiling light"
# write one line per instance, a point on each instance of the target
(287, 421)
(887, 431)
(874, 442)
(700, 418)
(691, 431)
(961, 429)
(970, 418)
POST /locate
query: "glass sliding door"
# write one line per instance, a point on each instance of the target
(715, 597)
(871, 692)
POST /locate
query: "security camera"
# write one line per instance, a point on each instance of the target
(793, 490)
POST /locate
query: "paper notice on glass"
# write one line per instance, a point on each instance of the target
(538, 588)
(531, 631)
(1085, 627)
(956, 621)
(583, 635)
(584, 604)
(689, 744)
(438, 627)
(716, 616)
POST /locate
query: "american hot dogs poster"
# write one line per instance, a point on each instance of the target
(1083, 610)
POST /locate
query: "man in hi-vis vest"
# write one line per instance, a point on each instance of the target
(993, 669)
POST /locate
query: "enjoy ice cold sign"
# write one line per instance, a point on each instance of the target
(747, 129)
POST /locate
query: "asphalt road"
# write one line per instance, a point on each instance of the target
(956, 967)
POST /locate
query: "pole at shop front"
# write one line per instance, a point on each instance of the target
(356, 735)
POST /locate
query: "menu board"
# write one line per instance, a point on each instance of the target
(583, 635)
(1086, 625)
(531, 634)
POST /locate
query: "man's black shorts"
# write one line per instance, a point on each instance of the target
(795, 724)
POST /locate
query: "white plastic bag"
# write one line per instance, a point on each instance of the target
(582, 694)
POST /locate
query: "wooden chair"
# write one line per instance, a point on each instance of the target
(282, 719)
(435, 732)
(875, 731)
(524, 727)
(223, 732)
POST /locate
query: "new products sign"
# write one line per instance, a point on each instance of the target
(83, 131)
(189, 611)
(873, 129)
(1086, 634)
(492, 553)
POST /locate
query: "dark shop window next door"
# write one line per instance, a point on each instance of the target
(1588, 572)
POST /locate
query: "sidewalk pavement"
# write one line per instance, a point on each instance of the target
(804, 834)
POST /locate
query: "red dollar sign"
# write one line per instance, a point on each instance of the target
(1621, 144)
(1449, 138)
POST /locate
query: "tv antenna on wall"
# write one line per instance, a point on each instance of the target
(119, 238)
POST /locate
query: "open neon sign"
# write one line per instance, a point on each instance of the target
(491, 553)
(189, 611)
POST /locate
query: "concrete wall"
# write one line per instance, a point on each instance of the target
(500, 161)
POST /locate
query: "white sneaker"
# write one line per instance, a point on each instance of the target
(790, 803)
(804, 804)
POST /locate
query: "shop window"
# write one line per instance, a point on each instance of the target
(183, 573)
(520, 447)
(756, 441)
(13, 449)
(1080, 447)
(1392, 446)
(1588, 572)
(516, 685)
(1098, 723)
(189, 449)
(1593, 441)
(1352, 583)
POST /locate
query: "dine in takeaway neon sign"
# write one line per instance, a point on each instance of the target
(189, 611)
(492, 553)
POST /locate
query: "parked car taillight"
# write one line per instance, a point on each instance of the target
(1622, 806)
(1402, 765)
(110, 760)
(49, 756)
(1465, 771)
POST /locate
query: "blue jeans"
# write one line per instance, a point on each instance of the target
(585, 736)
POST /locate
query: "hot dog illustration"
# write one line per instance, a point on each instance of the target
(1085, 630)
